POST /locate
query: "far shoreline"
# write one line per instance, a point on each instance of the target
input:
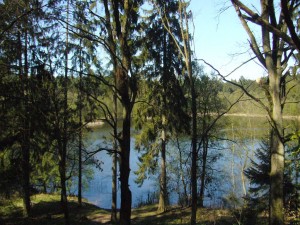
(288, 117)
(96, 123)
(99, 123)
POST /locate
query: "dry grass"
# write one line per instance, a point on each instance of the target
(46, 210)
(177, 215)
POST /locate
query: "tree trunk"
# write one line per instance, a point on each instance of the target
(80, 164)
(126, 88)
(162, 205)
(44, 187)
(114, 188)
(194, 154)
(277, 155)
(186, 198)
(203, 174)
(26, 175)
(25, 142)
(114, 163)
(64, 144)
(80, 134)
(112, 52)
(126, 198)
(272, 59)
(64, 200)
(188, 63)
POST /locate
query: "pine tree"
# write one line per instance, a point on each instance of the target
(259, 176)
(165, 99)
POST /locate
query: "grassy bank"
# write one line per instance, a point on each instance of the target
(46, 210)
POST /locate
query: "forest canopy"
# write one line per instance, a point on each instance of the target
(65, 64)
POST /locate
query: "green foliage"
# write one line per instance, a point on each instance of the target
(32, 104)
(163, 111)
(258, 174)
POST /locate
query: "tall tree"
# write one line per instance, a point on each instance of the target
(80, 61)
(63, 142)
(121, 23)
(184, 16)
(259, 176)
(273, 55)
(20, 33)
(211, 108)
(112, 45)
(165, 98)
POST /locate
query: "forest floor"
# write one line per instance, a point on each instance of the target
(46, 210)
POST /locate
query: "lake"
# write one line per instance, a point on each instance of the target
(246, 134)
(99, 188)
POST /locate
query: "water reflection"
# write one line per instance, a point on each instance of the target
(236, 145)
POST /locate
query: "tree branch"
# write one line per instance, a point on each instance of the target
(287, 17)
(237, 85)
(257, 19)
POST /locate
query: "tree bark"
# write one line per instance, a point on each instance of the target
(114, 187)
(63, 146)
(271, 60)
(186, 197)
(126, 198)
(80, 134)
(114, 162)
(273, 65)
(62, 173)
(188, 63)
(25, 141)
(288, 15)
(26, 173)
(124, 91)
(277, 155)
(162, 205)
(186, 54)
(194, 151)
(112, 52)
(203, 174)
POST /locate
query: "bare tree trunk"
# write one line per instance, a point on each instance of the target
(80, 167)
(126, 198)
(186, 54)
(113, 53)
(25, 142)
(162, 205)
(114, 186)
(186, 198)
(273, 65)
(64, 144)
(80, 134)
(203, 175)
(114, 163)
(62, 173)
(26, 171)
(194, 152)
(277, 157)
(273, 59)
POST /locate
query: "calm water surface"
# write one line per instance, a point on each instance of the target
(227, 170)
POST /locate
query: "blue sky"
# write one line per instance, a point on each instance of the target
(221, 40)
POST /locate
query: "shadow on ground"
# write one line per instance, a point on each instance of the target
(180, 216)
(50, 213)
